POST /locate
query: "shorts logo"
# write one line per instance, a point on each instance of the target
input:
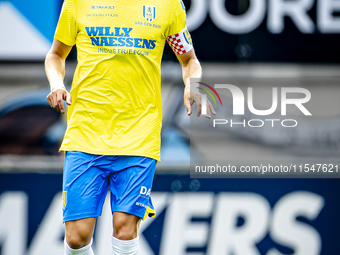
(64, 199)
(149, 13)
(140, 204)
(145, 191)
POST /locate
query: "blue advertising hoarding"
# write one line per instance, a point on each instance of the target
(205, 216)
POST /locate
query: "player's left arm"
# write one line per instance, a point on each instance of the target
(191, 68)
(180, 41)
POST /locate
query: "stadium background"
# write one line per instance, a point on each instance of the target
(295, 43)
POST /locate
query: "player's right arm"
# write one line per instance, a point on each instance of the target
(55, 71)
(65, 37)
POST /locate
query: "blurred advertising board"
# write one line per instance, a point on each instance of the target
(255, 30)
(27, 28)
(195, 216)
(265, 30)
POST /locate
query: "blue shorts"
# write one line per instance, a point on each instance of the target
(88, 177)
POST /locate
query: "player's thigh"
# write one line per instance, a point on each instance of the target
(125, 225)
(131, 186)
(79, 232)
(85, 185)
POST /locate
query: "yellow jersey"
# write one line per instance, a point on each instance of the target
(116, 91)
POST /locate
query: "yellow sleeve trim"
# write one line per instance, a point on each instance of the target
(149, 212)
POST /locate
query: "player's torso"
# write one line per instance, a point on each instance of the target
(135, 25)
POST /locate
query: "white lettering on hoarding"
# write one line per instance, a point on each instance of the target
(277, 10)
(222, 236)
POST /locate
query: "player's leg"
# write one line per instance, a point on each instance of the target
(125, 226)
(124, 239)
(130, 201)
(85, 186)
(78, 237)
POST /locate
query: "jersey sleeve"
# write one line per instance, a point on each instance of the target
(178, 35)
(66, 31)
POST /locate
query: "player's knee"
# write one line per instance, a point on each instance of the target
(74, 241)
(79, 232)
(124, 229)
(77, 240)
(125, 233)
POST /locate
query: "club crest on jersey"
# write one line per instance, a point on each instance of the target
(149, 13)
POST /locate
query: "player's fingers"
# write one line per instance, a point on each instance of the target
(208, 114)
(198, 102)
(211, 108)
(60, 101)
(68, 99)
(187, 105)
(49, 100)
(57, 108)
(53, 99)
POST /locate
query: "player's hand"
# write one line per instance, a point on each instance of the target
(196, 97)
(56, 98)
